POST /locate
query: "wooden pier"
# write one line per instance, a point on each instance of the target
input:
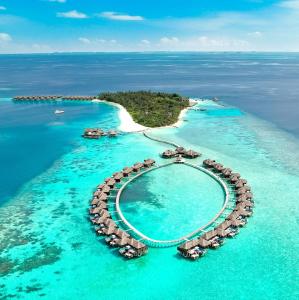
(44, 98)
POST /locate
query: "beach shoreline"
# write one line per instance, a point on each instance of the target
(127, 124)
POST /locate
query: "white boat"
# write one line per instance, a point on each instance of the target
(58, 112)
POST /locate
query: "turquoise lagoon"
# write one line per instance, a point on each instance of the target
(48, 248)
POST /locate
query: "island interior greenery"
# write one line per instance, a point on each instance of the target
(151, 109)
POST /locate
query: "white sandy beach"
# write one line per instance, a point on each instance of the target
(127, 124)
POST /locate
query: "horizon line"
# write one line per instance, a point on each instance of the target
(141, 52)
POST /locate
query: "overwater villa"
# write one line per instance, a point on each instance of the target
(137, 166)
(133, 248)
(180, 151)
(193, 249)
(93, 133)
(209, 163)
(117, 238)
(148, 163)
(53, 97)
(112, 133)
(118, 176)
(110, 182)
(127, 171)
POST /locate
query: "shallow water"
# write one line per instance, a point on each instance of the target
(170, 202)
(48, 249)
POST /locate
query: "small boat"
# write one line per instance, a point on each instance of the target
(58, 112)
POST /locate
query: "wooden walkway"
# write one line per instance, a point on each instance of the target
(168, 243)
(160, 140)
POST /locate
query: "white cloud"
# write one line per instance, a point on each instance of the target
(58, 1)
(255, 34)
(293, 4)
(72, 14)
(5, 37)
(84, 40)
(111, 15)
(145, 42)
(222, 44)
(102, 41)
(169, 40)
(41, 48)
(2, 8)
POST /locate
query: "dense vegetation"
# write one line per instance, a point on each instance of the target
(149, 108)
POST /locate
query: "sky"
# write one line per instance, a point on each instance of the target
(37, 26)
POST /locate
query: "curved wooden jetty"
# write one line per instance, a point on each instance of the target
(160, 140)
(168, 243)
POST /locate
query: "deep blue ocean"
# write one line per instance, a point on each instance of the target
(264, 84)
(48, 172)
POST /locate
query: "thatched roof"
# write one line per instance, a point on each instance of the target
(235, 175)
(118, 175)
(233, 216)
(103, 197)
(180, 150)
(241, 190)
(108, 222)
(209, 162)
(209, 235)
(188, 245)
(226, 171)
(243, 212)
(102, 205)
(111, 182)
(101, 219)
(224, 225)
(137, 166)
(242, 198)
(95, 201)
(95, 210)
(218, 167)
(236, 222)
(221, 232)
(191, 153)
(239, 184)
(168, 153)
(109, 230)
(101, 186)
(106, 189)
(149, 162)
(120, 233)
(135, 244)
(127, 170)
(243, 205)
(123, 241)
(203, 243)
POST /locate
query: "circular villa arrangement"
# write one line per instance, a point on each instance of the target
(109, 221)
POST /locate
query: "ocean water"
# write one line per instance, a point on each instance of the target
(48, 249)
(263, 84)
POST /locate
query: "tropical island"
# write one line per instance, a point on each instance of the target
(150, 109)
